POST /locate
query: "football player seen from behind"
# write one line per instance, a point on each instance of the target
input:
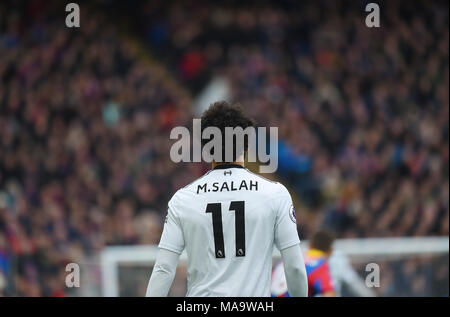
(228, 222)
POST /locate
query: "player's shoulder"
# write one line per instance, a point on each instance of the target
(270, 187)
(266, 181)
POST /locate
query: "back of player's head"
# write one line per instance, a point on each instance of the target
(322, 240)
(222, 114)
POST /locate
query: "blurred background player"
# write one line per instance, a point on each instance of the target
(345, 280)
(320, 282)
(320, 279)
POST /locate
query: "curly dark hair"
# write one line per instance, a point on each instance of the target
(222, 114)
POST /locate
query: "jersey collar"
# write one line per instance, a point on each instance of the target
(314, 253)
(227, 165)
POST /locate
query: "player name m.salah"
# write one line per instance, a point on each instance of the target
(227, 186)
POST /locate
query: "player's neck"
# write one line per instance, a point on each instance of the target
(215, 164)
(239, 161)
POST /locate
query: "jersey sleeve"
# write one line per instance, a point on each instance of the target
(286, 234)
(172, 238)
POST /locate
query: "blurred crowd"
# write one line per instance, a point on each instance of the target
(362, 112)
(84, 151)
(85, 116)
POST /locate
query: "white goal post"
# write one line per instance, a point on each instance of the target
(113, 256)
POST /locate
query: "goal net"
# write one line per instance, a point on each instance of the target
(407, 267)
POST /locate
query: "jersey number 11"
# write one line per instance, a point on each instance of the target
(216, 210)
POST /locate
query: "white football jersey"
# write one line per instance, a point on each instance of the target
(228, 221)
